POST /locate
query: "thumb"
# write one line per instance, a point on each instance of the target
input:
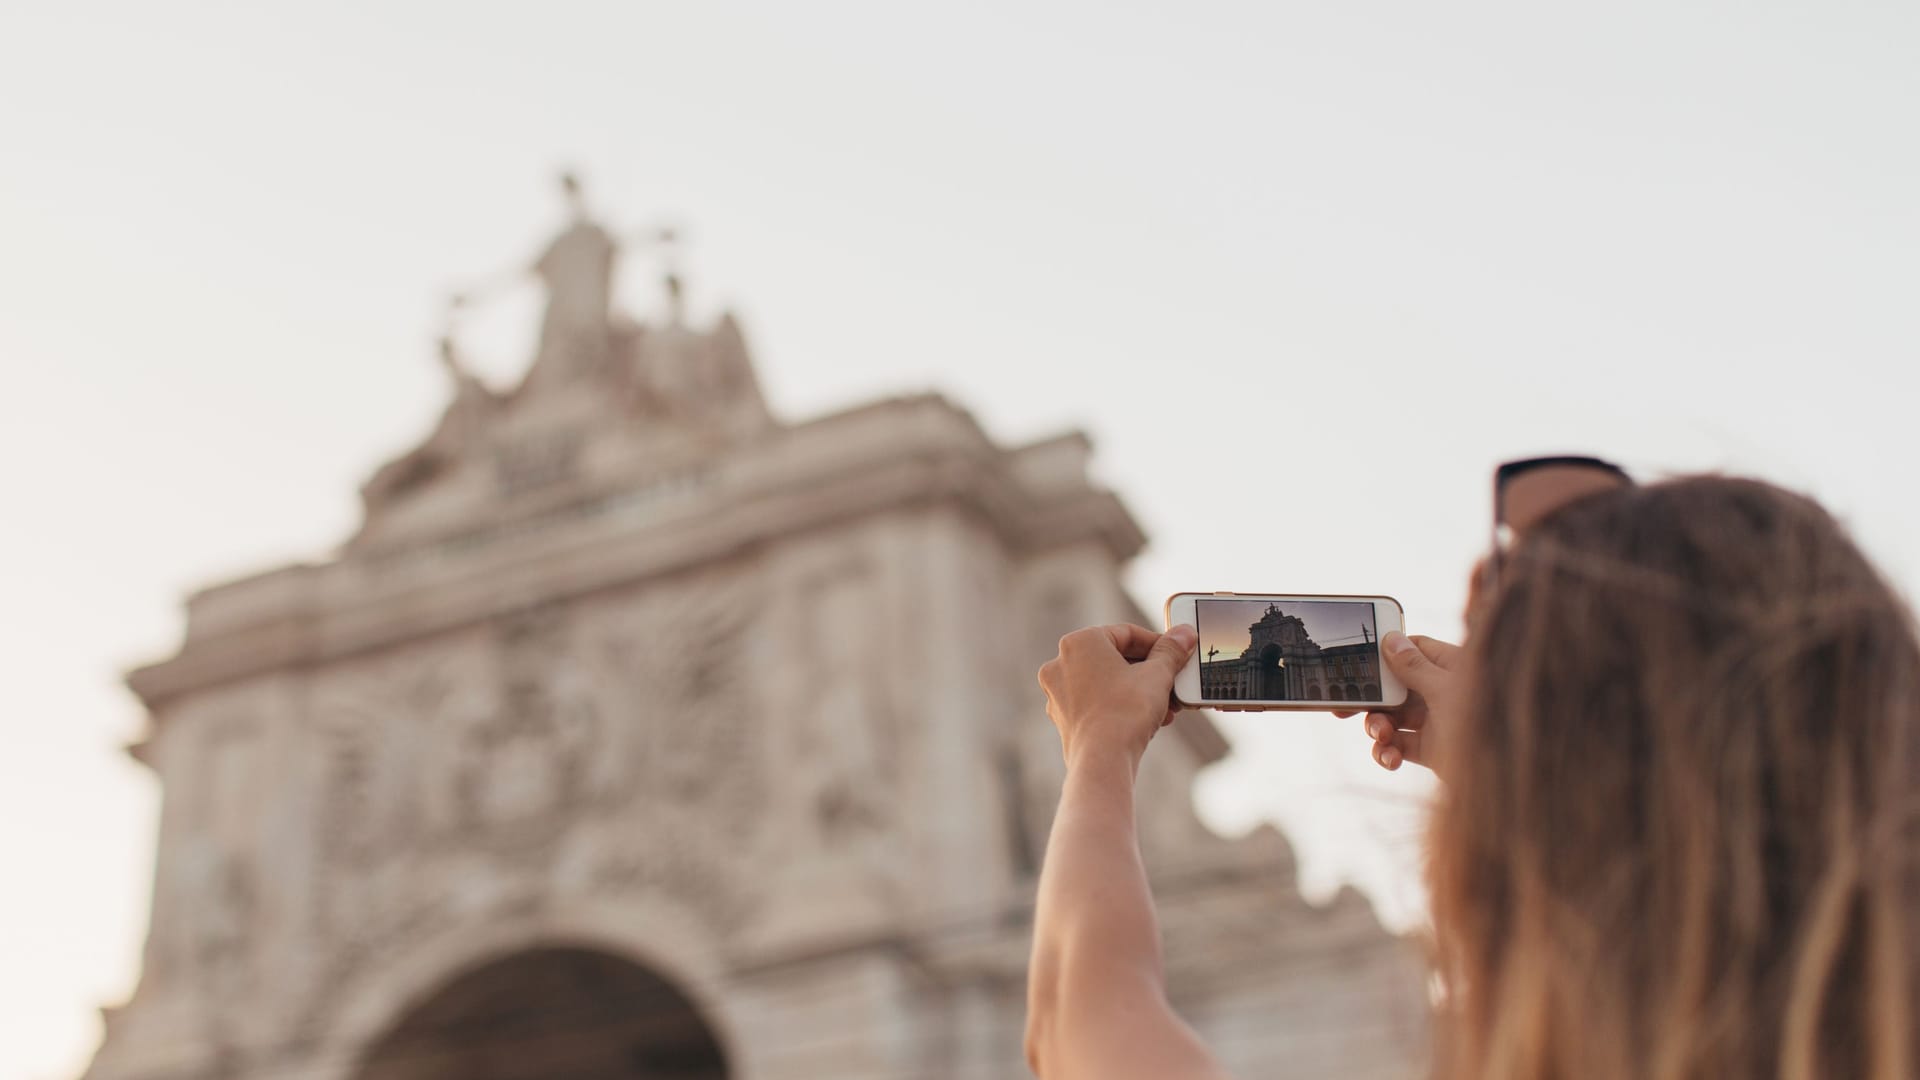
(1170, 653)
(1407, 661)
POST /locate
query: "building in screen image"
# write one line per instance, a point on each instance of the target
(576, 759)
(1299, 651)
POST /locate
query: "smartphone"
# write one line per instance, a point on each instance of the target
(1286, 651)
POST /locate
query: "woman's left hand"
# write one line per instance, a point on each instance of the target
(1111, 687)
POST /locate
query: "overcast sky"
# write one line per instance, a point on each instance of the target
(1227, 624)
(1351, 253)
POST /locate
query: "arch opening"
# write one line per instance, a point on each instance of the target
(1270, 675)
(550, 1012)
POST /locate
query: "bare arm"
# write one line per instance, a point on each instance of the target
(1096, 996)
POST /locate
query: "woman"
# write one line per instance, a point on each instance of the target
(1675, 836)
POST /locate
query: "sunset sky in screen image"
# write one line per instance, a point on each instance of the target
(1223, 623)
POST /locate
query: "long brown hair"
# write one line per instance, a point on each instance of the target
(1676, 836)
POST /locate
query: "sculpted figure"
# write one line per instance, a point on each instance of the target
(465, 421)
(577, 269)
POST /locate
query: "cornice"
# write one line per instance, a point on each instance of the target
(306, 615)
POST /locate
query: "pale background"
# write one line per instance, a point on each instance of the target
(1369, 246)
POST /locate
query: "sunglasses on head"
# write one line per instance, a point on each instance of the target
(1529, 491)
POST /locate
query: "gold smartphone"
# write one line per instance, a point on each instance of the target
(1297, 652)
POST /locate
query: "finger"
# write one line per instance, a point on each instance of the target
(1175, 707)
(1385, 756)
(1412, 714)
(1407, 746)
(1095, 639)
(1132, 642)
(1413, 666)
(1391, 745)
(1444, 654)
(1344, 713)
(1170, 653)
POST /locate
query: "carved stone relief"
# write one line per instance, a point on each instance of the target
(683, 762)
(840, 863)
(223, 870)
(598, 748)
(536, 460)
(687, 376)
(846, 749)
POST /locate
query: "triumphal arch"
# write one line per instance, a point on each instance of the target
(638, 732)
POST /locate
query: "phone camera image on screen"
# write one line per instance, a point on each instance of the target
(1288, 650)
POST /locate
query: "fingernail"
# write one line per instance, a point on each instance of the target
(1186, 635)
(1391, 758)
(1377, 728)
(1397, 643)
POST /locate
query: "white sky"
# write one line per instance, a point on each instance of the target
(1354, 253)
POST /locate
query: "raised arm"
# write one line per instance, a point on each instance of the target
(1096, 996)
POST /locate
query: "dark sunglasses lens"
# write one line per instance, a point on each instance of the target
(1528, 497)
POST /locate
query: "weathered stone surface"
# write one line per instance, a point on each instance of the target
(618, 664)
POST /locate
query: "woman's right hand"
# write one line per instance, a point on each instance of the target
(1432, 671)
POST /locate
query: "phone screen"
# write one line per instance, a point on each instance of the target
(1287, 650)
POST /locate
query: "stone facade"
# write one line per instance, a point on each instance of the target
(636, 733)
